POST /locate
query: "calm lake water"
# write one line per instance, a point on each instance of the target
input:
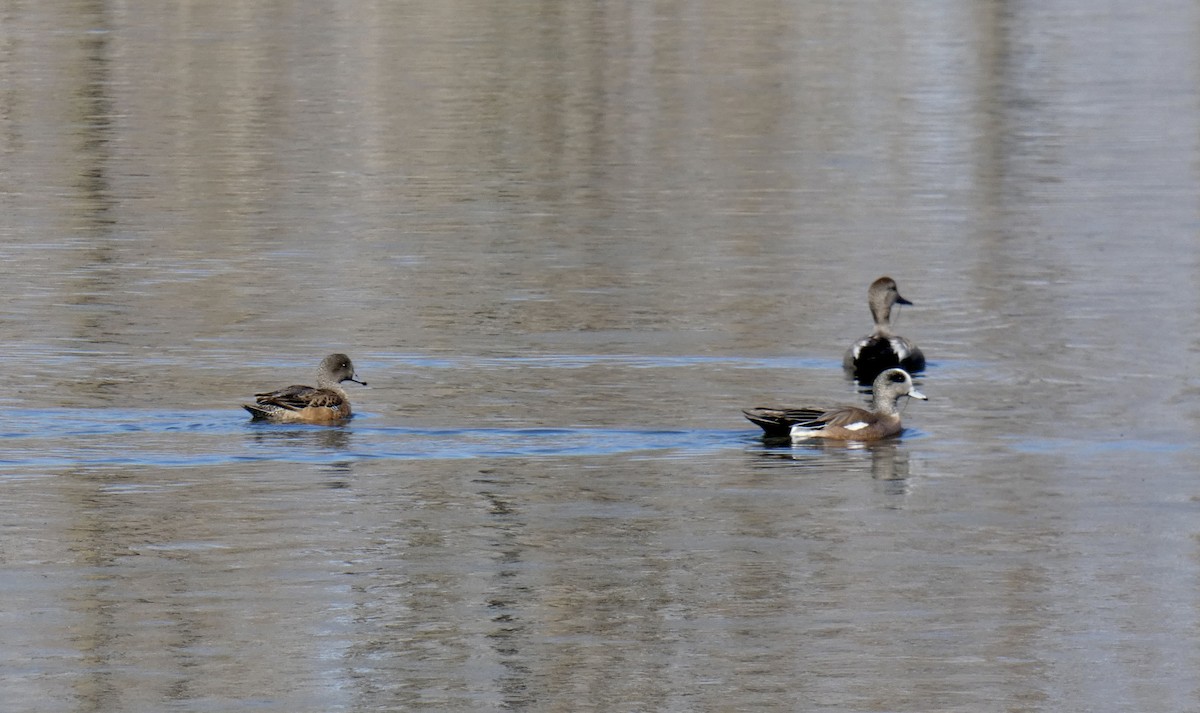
(565, 243)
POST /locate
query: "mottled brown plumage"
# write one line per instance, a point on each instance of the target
(327, 403)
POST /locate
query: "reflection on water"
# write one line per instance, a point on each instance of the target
(331, 438)
(569, 243)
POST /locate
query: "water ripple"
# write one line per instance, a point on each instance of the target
(63, 438)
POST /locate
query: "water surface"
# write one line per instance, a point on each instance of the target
(565, 245)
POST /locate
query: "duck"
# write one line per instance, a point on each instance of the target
(842, 423)
(882, 348)
(327, 403)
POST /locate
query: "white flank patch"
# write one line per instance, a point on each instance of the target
(899, 347)
(800, 433)
(857, 425)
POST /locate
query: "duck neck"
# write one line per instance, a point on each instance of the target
(881, 312)
(885, 404)
(324, 382)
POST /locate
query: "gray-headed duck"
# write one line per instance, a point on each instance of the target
(842, 423)
(882, 348)
(325, 404)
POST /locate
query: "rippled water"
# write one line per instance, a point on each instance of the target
(565, 245)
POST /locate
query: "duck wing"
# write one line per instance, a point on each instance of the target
(297, 397)
(873, 355)
(779, 421)
(842, 417)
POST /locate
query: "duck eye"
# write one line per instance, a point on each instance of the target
(897, 377)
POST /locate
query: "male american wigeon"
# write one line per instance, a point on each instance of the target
(327, 403)
(882, 349)
(842, 423)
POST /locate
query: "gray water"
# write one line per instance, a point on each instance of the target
(565, 243)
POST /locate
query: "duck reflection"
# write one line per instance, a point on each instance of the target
(884, 460)
(313, 443)
(326, 439)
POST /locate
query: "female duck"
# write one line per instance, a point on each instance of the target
(325, 404)
(842, 423)
(882, 349)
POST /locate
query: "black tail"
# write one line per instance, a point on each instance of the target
(778, 422)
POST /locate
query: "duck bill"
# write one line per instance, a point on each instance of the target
(918, 395)
(901, 301)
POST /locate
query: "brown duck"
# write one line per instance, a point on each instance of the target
(325, 404)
